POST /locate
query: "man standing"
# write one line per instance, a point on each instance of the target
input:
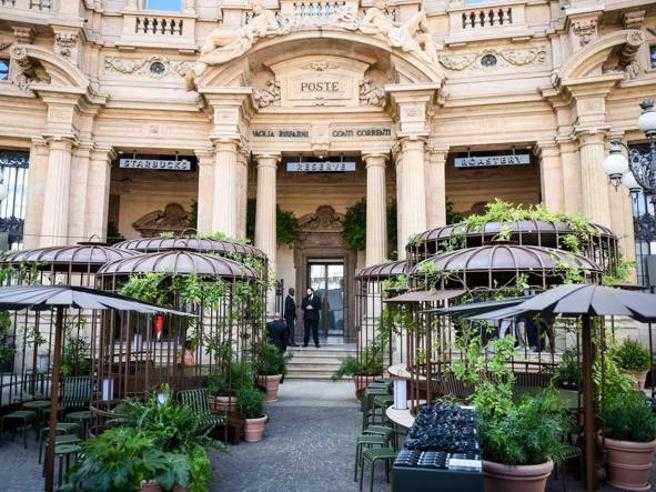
(290, 317)
(311, 306)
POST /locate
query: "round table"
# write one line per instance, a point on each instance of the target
(39, 406)
(83, 418)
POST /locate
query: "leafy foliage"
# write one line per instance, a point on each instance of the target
(271, 360)
(250, 403)
(232, 376)
(355, 226)
(568, 372)
(369, 363)
(630, 355)
(629, 417)
(287, 227)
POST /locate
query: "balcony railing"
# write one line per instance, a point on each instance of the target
(490, 20)
(317, 11)
(43, 6)
(158, 29)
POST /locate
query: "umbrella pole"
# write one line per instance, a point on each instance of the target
(589, 431)
(54, 402)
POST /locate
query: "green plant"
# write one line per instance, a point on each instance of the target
(271, 360)
(369, 363)
(147, 287)
(619, 273)
(287, 227)
(354, 232)
(234, 375)
(76, 357)
(630, 355)
(529, 432)
(250, 403)
(628, 417)
(452, 217)
(568, 372)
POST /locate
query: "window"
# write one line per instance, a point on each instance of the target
(4, 69)
(644, 217)
(13, 197)
(652, 55)
(169, 5)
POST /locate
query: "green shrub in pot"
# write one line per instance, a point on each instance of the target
(271, 360)
(630, 355)
(628, 417)
(250, 403)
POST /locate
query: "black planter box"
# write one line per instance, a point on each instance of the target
(407, 479)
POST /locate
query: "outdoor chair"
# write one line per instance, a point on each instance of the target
(371, 456)
(366, 441)
(76, 392)
(83, 419)
(63, 453)
(23, 421)
(197, 400)
(63, 429)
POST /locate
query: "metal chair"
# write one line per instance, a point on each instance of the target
(371, 456)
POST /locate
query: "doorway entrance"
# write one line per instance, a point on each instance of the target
(326, 277)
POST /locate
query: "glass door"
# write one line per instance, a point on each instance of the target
(327, 279)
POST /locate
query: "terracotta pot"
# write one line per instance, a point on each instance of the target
(224, 404)
(640, 377)
(189, 359)
(179, 488)
(629, 463)
(151, 487)
(254, 429)
(270, 383)
(506, 478)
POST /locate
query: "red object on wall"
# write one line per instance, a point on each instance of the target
(158, 325)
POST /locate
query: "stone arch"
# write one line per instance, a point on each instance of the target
(40, 66)
(409, 67)
(594, 59)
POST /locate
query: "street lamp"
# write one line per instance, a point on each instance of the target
(638, 173)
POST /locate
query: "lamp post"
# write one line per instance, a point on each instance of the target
(638, 173)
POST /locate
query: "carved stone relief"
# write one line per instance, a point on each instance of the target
(174, 218)
(493, 59)
(28, 70)
(265, 97)
(154, 67)
(371, 94)
(66, 45)
(324, 219)
(585, 29)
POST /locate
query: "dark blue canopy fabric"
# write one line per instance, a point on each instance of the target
(42, 297)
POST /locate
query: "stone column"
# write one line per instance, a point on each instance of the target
(242, 191)
(37, 175)
(265, 214)
(97, 195)
(205, 197)
(551, 176)
(412, 189)
(225, 214)
(569, 156)
(436, 187)
(594, 183)
(54, 226)
(376, 249)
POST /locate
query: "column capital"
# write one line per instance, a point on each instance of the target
(375, 159)
(592, 136)
(546, 148)
(268, 159)
(60, 142)
(103, 153)
(226, 143)
(205, 156)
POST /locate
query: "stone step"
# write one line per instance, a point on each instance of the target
(311, 376)
(314, 359)
(299, 367)
(312, 363)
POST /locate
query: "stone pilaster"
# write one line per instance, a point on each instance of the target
(205, 207)
(376, 248)
(97, 195)
(78, 190)
(37, 175)
(242, 190)
(265, 213)
(551, 176)
(436, 187)
(569, 157)
(594, 183)
(225, 214)
(412, 188)
(54, 225)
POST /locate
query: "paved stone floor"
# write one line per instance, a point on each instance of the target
(308, 448)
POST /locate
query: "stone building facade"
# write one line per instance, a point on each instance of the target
(142, 119)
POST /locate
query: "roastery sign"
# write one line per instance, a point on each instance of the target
(493, 160)
(156, 164)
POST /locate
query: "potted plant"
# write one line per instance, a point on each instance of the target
(521, 439)
(633, 359)
(271, 366)
(250, 403)
(363, 368)
(629, 430)
(568, 373)
(223, 386)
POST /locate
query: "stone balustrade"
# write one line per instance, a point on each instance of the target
(158, 29)
(38, 6)
(317, 9)
(489, 20)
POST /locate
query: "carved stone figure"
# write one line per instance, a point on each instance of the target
(371, 94)
(224, 44)
(325, 219)
(173, 218)
(263, 98)
(412, 36)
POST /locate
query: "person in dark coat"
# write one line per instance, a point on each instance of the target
(311, 307)
(277, 333)
(290, 317)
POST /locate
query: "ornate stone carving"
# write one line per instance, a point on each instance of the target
(263, 98)
(624, 57)
(66, 44)
(174, 218)
(322, 66)
(503, 58)
(5, 44)
(225, 44)
(28, 70)
(325, 219)
(634, 19)
(585, 29)
(23, 34)
(371, 94)
(155, 67)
